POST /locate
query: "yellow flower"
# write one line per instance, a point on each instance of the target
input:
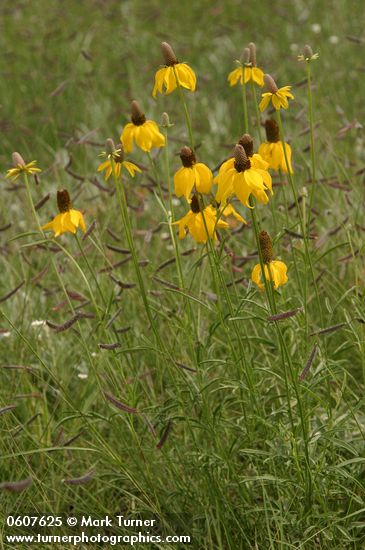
(277, 274)
(19, 167)
(247, 70)
(246, 74)
(68, 220)
(243, 176)
(173, 74)
(200, 228)
(272, 150)
(192, 174)
(145, 133)
(275, 270)
(116, 156)
(308, 54)
(278, 96)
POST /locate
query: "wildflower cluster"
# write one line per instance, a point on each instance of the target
(243, 178)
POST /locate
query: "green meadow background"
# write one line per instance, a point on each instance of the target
(232, 471)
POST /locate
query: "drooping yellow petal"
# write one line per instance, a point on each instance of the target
(159, 81)
(126, 137)
(256, 276)
(131, 168)
(225, 185)
(247, 74)
(170, 80)
(184, 180)
(258, 162)
(186, 76)
(258, 76)
(205, 181)
(241, 189)
(279, 101)
(265, 101)
(235, 76)
(158, 139)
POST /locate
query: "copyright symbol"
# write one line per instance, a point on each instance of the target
(72, 521)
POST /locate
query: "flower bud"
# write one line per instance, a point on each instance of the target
(165, 121)
(109, 146)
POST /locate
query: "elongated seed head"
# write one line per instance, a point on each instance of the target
(187, 156)
(266, 247)
(168, 54)
(138, 118)
(109, 146)
(247, 143)
(63, 200)
(252, 48)
(194, 204)
(245, 56)
(17, 159)
(241, 161)
(270, 84)
(272, 130)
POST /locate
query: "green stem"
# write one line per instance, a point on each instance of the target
(186, 111)
(258, 118)
(313, 153)
(244, 101)
(270, 293)
(301, 221)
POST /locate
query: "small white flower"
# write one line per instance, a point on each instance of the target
(38, 323)
(294, 47)
(334, 39)
(316, 28)
(5, 334)
(83, 375)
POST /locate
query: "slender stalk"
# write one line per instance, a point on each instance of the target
(244, 102)
(270, 293)
(313, 153)
(258, 118)
(301, 221)
(186, 111)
